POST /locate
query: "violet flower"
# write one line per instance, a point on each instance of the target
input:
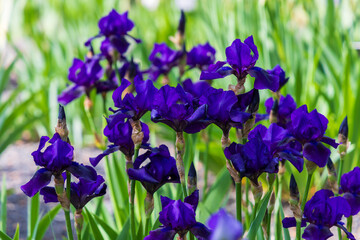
(278, 71)
(154, 168)
(179, 110)
(84, 75)
(178, 217)
(119, 131)
(196, 89)
(322, 211)
(224, 226)
(350, 188)
(309, 129)
(57, 158)
(252, 159)
(162, 59)
(278, 141)
(242, 58)
(201, 56)
(114, 27)
(286, 106)
(80, 193)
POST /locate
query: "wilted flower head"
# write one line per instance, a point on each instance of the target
(322, 211)
(309, 129)
(80, 193)
(201, 56)
(278, 141)
(162, 59)
(118, 131)
(252, 159)
(224, 226)
(178, 217)
(84, 75)
(242, 57)
(154, 168)
(56, 159)
(178, 109)
(350, 188)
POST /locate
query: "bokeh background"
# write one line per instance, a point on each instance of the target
(315, 42)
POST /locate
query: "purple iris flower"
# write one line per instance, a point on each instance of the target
(278, 71)
(80, 193)
(201, 56)
(309, 129)
(278, 141)
(225, 109)
(350, 188)
(162, 59)
(179, 110)
(118, 131)
(196, 89)
(242, 58)
(110, 84)
(130, 70)
(84, 75)
(286, 106)
(224, 226)
(135, 106)
(155, 168)
(57, 158)
(253, 158)
(178, 217)
(114, 27)
(322, 211)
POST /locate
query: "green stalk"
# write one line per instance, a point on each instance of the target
(78, 234)
(268, 227)
(303, 201)
(147, 226)
(238, 202)
(349, 223)
(247, 215)
(132, 198)
(67, 211)
(206, 162)
(340, 170)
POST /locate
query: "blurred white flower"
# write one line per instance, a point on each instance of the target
(186, 5)
(152, 5)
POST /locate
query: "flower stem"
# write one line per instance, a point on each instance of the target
(303, 201)
(67, 211)
(78, 234)
(238, 202)
(340, 170)
(180, 150)
(206, 161)
(132, 198)
(147, 226)
(349, 224)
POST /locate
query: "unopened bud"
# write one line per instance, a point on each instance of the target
(179, 37)
(79, 220)
(295, 199)
(61, 127)
(332, 176)
(343, 138)
(149, 204)
(274, 112)
(192, 179)
(254, 104)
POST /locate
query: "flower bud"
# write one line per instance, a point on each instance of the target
(179, 37)
(61, 127)
(332, 176)
(192, 179)
(254, 105)
(295, 199)
(343, 138)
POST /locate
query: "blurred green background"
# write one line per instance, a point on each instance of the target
(314, 42)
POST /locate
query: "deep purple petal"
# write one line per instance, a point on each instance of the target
(162, 233)
(317, 153)
(49, 194)
(82, 171)
(200, 231)
(70, 93)
(314, 232)
(109, 150)
(264, 80)
(41, 178)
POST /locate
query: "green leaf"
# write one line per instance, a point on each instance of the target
(109, 230)
(259, 217)
(4, 236)
(33, 214)
(93, 226)
(5, 75)
(3, 200)
(124, 234)
(45, 222)
(218, 190)
(17, 233)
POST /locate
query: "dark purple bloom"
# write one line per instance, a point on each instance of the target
(201, 56)
(178, 217)
(242, 58)
(56, 159)
(119, 131)
(350, 188)
(178, 109)
(322, 211)
(196, 89)
(286, 106)
(162, 59)
(252, 159)
(278, 71)
(130, 70)
(80, 193)
(155, 168)
(135, 106)
(309, 129)
(225, 109)
(278, 141)
(108, 85)
(84, 75)
(224, 226)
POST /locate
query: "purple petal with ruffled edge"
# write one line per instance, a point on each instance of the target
(49, 194)
(71, 93)
(216, 71)
(315, 232)
(264, 80)
(162, 233)
(41, 178)
(317, 153)
(109, 150)
(115, 24)
(82, 171)
(200, 231)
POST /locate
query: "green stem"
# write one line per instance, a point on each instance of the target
(340, 170)
(303, 201)
(91, 121)
(132, 198)
(147, 226)
(247, 215)
(191, 236)
(78, 234)
(206, 162)
(67, 211)
(349, 223)
(238, 202)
